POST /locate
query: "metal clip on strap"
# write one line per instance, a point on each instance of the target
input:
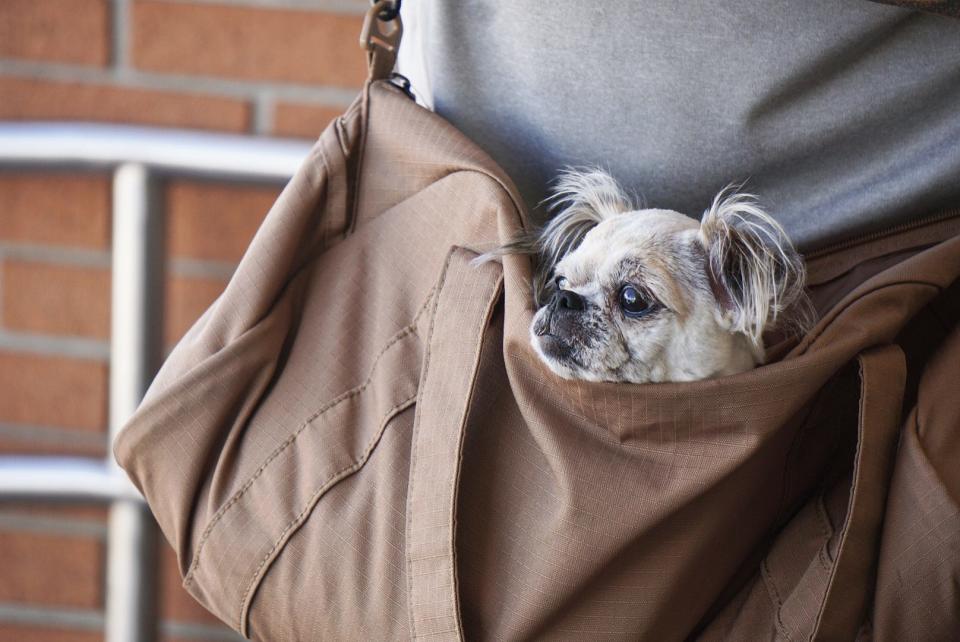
(381, 45)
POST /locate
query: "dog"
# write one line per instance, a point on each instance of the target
(651, 295)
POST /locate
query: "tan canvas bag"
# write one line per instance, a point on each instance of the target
(356, 441)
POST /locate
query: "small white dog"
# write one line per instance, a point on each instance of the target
(652, 295)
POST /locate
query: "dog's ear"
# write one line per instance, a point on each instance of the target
(756, 274)
(580, 199)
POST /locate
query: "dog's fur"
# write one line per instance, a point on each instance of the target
(706, 292)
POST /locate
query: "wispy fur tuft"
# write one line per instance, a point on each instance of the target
(582, 198)
(753, 262)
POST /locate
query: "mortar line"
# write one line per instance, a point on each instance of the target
(100, 259)
(12, 521)
(130, 78)
(197, 631)
(55, 254)
(50, 434)
(202, 268)
(55, 346)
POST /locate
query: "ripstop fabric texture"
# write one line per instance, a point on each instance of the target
(357, 442)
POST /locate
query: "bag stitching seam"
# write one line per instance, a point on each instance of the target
(826, 531)
(357, 464)
(488, 311)
(774, 596)
(862, 360)
(427, 354)
(349, 394)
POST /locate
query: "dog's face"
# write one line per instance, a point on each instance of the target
(633, 302)
(653, 295)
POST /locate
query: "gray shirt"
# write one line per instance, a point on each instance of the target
(843, 116)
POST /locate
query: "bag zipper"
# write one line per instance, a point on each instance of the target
(879, 234)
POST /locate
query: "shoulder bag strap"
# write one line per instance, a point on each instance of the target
(882, 378)
(463, 305)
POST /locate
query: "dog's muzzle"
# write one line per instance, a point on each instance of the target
(556, 320)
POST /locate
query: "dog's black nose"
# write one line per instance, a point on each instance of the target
(567, 299)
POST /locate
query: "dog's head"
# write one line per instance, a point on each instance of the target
(653, 295)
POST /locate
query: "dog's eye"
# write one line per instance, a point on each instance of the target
(632, 302)
(560, 282)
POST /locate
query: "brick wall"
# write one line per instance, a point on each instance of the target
(260, 67)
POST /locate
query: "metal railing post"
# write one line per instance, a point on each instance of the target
(136, 343)
(136, 154)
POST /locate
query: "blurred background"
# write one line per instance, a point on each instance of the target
(262, 68)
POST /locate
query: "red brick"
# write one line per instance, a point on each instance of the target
(56, 299)
(53, 391)
(55, 209)
(56, 30)
(71, 573)
(38, 633)
(29, 99)
(174, 601)
(187, 298)
(42, 298)
(208, 220)
(304, 121)
(250, 43)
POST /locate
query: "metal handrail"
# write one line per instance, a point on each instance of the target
(62, 478)
(135, 155)
(178, 151)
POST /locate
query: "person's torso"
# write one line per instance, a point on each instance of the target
(841, 116)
